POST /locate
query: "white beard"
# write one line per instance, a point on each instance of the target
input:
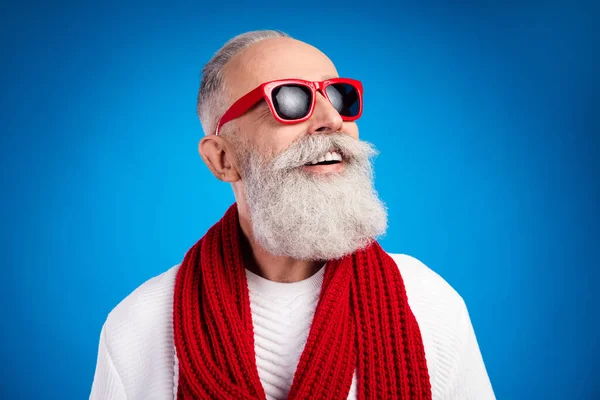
(311, 216)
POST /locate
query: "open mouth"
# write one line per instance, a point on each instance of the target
(331, 157)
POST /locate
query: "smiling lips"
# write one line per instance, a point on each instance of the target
(331, 157)
(329, 162)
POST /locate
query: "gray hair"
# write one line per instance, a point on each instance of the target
(212, 102)
(310, 216)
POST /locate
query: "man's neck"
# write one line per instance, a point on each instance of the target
(272, 267)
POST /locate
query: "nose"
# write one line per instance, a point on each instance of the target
(325, 118)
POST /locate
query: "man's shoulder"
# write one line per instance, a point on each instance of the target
(425, 288)
(147, 304)
(454, 362)
(138, 335)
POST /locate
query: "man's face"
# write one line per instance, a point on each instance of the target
(297, 209)
(282, 58)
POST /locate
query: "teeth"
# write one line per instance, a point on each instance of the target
(329, 156)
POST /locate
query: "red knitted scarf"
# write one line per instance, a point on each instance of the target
(362, 321)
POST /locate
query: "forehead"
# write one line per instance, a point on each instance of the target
(276, 58)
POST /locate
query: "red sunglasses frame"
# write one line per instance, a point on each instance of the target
(265, 90)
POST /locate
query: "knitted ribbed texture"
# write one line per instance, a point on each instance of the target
(282, 314)
(362, 320)
(137, 357)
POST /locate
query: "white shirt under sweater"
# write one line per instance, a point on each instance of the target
(137, 359)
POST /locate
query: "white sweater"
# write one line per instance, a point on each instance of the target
(137, 359)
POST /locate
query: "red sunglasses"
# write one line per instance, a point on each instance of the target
(293, 100)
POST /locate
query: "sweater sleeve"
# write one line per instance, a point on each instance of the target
(107, 384)
(469, 379)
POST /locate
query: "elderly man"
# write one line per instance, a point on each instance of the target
(289, 295)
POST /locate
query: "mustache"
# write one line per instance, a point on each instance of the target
(307, 148)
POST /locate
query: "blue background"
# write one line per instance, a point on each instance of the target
(486, 115)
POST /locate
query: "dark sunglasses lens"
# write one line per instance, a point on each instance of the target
(344, 98)
(292, 101)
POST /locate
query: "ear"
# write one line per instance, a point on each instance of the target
(219, 157)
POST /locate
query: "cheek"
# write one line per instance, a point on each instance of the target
(277, 140)
(350, 128)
